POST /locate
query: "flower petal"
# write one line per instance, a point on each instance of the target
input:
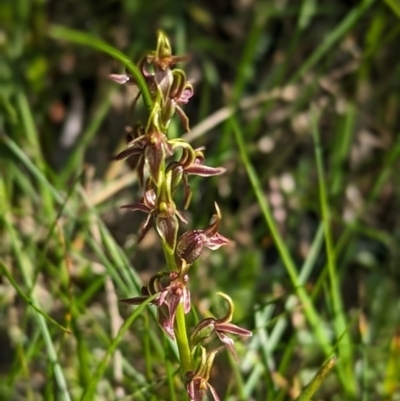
(120, 78)
(166, 321)
(153, 156)
(216, 241)
(233, 329)
(213, 392)
(137, 206)
(204, 171)
(167, 228)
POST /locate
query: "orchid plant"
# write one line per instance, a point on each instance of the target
(163, 166)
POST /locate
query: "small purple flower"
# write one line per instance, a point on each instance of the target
(172, 289)
(190, 163)
(177, 95)
(221, 327)
(162, 57)
(177, 292)
(150, 149)
(197, 381)
(162, 209)
(191, 243)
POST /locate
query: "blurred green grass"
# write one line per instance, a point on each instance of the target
(299, 101)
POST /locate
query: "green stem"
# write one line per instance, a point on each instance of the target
(181, 336)
(182, 340)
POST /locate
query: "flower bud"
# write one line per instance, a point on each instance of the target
(202, 331)
(167, 228)
(189, 246)
(163, 46)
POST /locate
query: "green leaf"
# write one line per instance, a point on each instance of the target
(394, 5)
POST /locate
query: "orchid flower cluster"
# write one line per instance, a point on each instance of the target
(163, 166)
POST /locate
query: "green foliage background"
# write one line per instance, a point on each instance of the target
(299, 100)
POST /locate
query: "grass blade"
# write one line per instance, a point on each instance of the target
(315, 383)
(7, 274)
(82, 38)
(27, 269)
(341, 330)
(335, 35)
(89, 392)
(309, 309)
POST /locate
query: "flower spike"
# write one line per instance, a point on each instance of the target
(164, 165)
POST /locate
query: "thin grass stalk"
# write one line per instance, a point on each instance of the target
(59, 32)
(27, 271)
(309, 310)
(341, 329)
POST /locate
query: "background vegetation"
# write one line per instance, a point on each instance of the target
(299, 100)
